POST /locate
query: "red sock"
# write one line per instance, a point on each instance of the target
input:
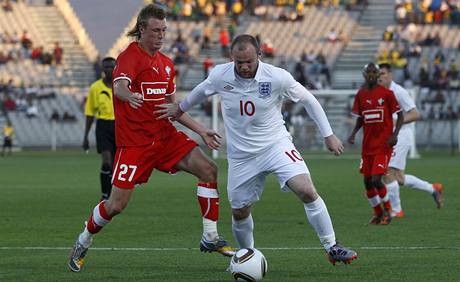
(98, 219)
(374, 200)
(385, 197)
(208, 197)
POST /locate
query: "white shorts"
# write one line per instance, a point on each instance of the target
(246, 177)
(399, 155)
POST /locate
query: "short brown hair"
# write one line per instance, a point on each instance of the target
(243, 40)
(149, 11)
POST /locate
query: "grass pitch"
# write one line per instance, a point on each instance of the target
(45, 198)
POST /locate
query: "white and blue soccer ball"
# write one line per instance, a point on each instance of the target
(248, 264)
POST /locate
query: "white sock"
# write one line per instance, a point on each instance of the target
(414, 182)
(210, 229)
(393, 192)
(319, 218)
(85, 238)
(243, 231)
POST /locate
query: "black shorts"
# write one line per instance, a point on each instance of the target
(7, 142)
(105, 136)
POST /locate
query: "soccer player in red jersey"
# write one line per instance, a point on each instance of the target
(143, 78)
(374, 106)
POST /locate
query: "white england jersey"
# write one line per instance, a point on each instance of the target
(407, 103)
(251, 108)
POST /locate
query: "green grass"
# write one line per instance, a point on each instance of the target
(45, 197)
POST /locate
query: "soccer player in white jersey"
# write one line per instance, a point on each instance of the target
(397, 165)
(258, 143)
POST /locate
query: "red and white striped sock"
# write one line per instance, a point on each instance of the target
(385, 197)
(374, 200)
(208, 197)
(98, 219)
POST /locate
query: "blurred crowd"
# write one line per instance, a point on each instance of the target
(22, 98)
(16, 48)
(427, 11)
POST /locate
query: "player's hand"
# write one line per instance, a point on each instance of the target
(171, 110)
(334, 144)
(85, 145)
(351, 139)
(211, 139)
(392, 140)
(135, 100)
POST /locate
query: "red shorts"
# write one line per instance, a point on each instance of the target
(134, 165)
(375, 164)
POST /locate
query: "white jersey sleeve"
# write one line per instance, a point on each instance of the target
(199, 93)
(297, 93)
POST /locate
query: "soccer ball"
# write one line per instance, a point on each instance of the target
(248, 264)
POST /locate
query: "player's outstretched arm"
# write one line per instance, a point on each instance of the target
(174, 110)
(168, 110)
(210, 137)
(334, 144)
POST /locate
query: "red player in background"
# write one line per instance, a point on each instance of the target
(374, 106)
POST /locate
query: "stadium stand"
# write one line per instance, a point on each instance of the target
(44, 26)
(324, 44)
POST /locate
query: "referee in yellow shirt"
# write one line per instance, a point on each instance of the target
(8, 133)
(99, 105)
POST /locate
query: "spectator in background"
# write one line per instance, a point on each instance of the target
(237, 9)
(207, 35)
(32, 110)
(6, 5)
(232, 29)
(57, 53)
(36, 53)
(26, 42)
(299, 74)
(220, 11)
(207, 65)
(55, 117)
(3, 58)
(224, 39)
(332, 36)
(267, 49)
(388, 34)
(68, 117)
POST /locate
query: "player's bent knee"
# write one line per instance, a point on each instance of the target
(400, 177)
(208, 172)
(240, 214)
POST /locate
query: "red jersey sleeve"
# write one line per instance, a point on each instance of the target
(356, 110)
(125, 67)
(393, 103)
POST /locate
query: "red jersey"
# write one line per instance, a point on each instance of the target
(153, 78)
(376, 106)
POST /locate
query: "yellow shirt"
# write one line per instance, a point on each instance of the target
(8, 131)
(99, 102)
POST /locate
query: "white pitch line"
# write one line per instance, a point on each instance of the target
(261, 248)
